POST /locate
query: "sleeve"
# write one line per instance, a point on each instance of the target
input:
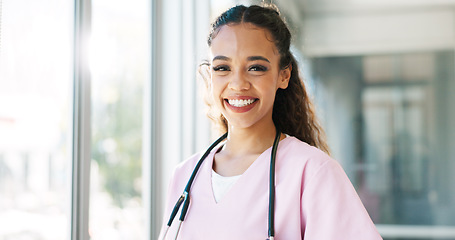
(177, 182)
(331, 208)
(168, 204)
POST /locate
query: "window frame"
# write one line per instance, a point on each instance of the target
(81, 123)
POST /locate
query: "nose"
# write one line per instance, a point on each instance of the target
(238, 82)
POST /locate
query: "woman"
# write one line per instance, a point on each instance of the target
(256, 93)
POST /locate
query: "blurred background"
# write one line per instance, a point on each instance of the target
(99, 101)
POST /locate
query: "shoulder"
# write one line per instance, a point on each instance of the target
(181, 174)
(185, 168)
(306, 162)
(295, 153)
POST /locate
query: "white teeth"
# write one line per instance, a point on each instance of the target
(240, 102)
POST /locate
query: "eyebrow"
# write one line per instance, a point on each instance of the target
(251, 58)
(224, 58)
(254, 58)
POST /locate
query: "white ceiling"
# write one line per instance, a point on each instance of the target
(358, 27)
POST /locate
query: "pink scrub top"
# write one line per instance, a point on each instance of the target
(314, 200)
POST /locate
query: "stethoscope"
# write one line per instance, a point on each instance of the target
(185, 197)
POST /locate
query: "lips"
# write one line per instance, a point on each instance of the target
(241, 104)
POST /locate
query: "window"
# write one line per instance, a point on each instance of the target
(74, 113)
(119, 64)
(35, 119)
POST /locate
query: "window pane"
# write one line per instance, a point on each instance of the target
(119, 68)
(36, 78)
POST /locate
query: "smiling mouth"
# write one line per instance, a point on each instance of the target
(241, 102)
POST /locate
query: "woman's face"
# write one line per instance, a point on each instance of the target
(245, 75)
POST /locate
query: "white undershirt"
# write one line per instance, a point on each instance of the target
(221, 185)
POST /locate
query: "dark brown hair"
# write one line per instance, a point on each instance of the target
(293, 110)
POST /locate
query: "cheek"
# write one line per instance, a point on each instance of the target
(215, 92)
(270, 86)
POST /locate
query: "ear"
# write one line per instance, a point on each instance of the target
(285, 75)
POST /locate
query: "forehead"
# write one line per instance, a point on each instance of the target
(243, 40)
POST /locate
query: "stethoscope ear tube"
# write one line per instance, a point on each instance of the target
(185, 198)
(272, 186)
(186, 204)
(198, 165)
(176, 209)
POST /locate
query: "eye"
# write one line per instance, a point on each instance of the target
(258, 68)
(221, 68)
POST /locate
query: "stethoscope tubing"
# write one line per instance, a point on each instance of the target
(272, 186)
(185, 197)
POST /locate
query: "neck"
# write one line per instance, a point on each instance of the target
(247, 141)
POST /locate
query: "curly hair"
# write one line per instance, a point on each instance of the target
(293, 110)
